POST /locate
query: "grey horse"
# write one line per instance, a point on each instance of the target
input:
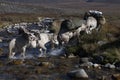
(69, 29)
(19, 44)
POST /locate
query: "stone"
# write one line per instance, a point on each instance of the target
(101, 43)
(80, 73)
(71, 56)
(1, 40)
(116, 76)
(88, 64)
(97, 66)
(107, 65)
(111, 66)
(102, 78)
(47, 64)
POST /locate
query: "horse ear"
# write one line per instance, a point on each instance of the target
(86, 15)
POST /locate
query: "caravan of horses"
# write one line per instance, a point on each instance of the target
(41, 38)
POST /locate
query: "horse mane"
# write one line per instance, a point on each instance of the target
(66, 24)
(23, 32)
(37, 34)
(86, 15)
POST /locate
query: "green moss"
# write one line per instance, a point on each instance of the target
(72, 49)
(112, 55)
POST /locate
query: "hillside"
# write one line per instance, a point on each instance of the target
(70, 7)
(105, 1)
(41, 1)
(59, 1)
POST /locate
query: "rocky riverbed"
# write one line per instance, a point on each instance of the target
(52, 68)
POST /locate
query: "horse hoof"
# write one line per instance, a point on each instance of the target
(40, 55)
(12, 57)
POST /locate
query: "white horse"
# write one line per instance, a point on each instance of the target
(19, 44)
(96, 15)
(44, 40)
(91, 24)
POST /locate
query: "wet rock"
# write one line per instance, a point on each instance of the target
(111, 66)
(1, 40)
(102, 78)
(77, 66)
(101, 43)
(1, 51)
(80, 73)
(116, 76)
(47, 64)
(97, 66)
(71, 56)
(88, 64)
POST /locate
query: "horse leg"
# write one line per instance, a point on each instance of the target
(88, 31)
(11, 53)
(60, 41)
(52, 45)
(98, 27)
(23, 52)
(43, 52)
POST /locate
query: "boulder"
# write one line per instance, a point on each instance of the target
(88, 64)
(1, 40)
(100, 43)
(80, 73)
(116, 76)
(111, 66)
(97, 66)
(47, 64)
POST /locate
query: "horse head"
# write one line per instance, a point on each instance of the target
(32, 40)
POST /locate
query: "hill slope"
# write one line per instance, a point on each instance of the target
(59, 1)
(105, 1)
